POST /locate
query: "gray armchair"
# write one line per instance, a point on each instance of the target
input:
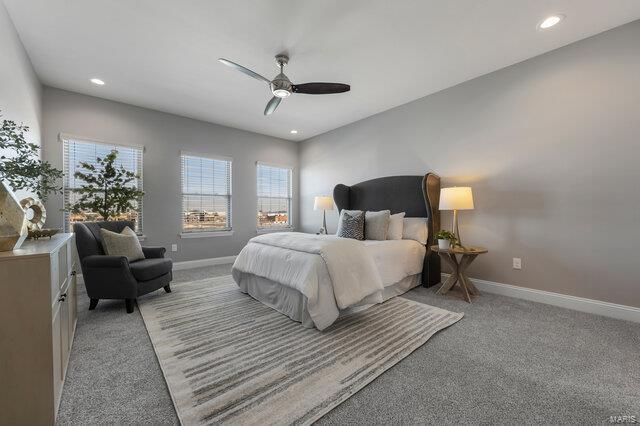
(114, 277)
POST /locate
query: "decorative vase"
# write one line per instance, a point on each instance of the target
(444, 244)
(13, 220)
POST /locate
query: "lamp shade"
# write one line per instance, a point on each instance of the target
(456, 198)
(323, 203)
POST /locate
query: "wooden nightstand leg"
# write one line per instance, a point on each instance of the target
(466, 285)
(472, 288)
(451, 281)
(463, 287)
(448, 284)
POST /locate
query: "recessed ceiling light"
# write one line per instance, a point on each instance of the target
(550, 21)
(294, 132)
(97, 81)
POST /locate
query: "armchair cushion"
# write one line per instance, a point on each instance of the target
(104, 261)
(148, 269)
(153, 252)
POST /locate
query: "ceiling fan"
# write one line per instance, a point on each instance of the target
(281, 86)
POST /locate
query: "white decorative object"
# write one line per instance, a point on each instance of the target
(36, 213)
(456, 198)
(13, 221)
(323, 203)
(444, 244)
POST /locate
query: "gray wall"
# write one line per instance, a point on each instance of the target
(20, 90)
(164, 136)
(551, 148)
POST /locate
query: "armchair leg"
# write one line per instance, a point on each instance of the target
(167, 288)
(93, 303)
(129, 305)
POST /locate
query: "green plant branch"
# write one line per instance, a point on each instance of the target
(22, 167)
(443, 234)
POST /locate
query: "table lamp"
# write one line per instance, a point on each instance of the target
(323, 203)
(456, 198)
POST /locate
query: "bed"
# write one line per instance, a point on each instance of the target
(315, 279)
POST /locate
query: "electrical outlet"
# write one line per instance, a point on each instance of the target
(517, 263)
(174, 247)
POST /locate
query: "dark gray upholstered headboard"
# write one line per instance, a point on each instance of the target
(417, 196)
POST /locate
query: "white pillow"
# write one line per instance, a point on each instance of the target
(396, 225)
(415, 228)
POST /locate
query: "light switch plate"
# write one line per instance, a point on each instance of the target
(174, 247)
(517, 263)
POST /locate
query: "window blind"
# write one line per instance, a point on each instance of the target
(206, 193)
(274, 196)
(77, 151)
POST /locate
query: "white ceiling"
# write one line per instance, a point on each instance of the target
(163, 54)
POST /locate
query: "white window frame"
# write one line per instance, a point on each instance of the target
(289, 226)
(65, 138)
(209, 233)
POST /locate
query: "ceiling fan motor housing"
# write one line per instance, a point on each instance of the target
(281, 87)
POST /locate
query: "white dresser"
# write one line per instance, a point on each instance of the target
(38, 313)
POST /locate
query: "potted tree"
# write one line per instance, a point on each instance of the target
(446, 239)
(21, 168)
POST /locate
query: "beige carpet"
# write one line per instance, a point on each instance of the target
(228, 358)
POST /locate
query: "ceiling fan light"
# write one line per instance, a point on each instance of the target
(281, 93)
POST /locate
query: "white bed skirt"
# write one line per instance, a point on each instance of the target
(293, 304)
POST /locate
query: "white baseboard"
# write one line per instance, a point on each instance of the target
(190, 264)
(597, 307)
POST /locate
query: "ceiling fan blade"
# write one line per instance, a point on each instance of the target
(320, 88)
(244, 70)
(272, 105)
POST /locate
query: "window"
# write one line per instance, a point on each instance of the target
(78, 151)
(274, 196)
(206, 193)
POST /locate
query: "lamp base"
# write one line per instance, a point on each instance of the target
(323, 230)
(456, 229)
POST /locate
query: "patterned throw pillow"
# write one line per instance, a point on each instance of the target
(124, 244)
(351, 224)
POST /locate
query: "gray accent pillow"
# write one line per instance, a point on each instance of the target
(396, 225)
(376, 225)
(123, 244)
(351, 224)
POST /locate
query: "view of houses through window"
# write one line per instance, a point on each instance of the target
(206, 193)
(206, 188)
(80, 151)
(274, 196)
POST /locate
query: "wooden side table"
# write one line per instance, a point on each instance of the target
(468, 255)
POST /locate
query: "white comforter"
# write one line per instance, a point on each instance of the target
(297, 260)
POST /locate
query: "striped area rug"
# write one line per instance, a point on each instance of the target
(228, 358)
